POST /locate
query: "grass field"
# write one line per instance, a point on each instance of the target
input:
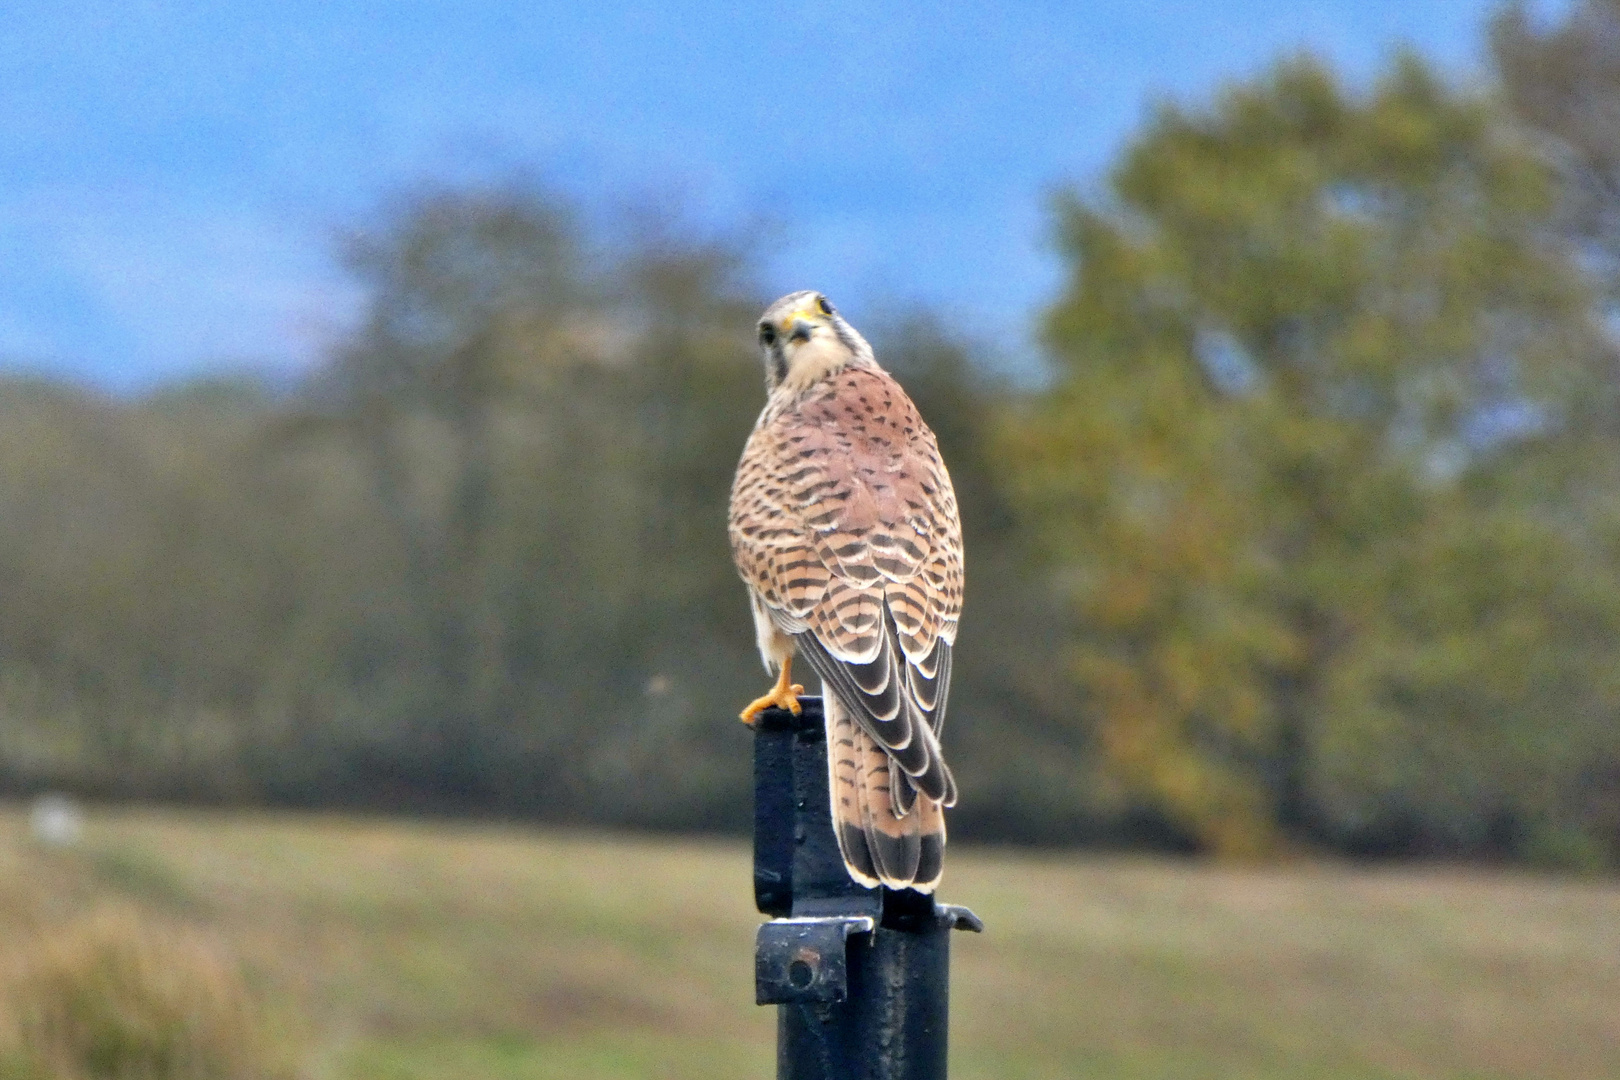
(399, 951)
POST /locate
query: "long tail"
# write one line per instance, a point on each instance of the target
(888, 834)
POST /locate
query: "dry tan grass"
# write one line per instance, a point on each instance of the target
(418, 950)
(113, 995)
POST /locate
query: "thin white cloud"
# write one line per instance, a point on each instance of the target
(182, 283)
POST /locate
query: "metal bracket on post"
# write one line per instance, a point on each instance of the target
(860, 976)
(803, 959)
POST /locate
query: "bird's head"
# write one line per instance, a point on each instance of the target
(803, 339)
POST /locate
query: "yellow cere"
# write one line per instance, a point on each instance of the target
(809, 315)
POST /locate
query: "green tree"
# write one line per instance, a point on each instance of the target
(544, 427)
(1026, 771)
(140, 584)
(1325, 390)
(1562, 82)
(477, 561)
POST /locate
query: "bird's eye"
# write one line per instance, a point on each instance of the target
(767, 334)
(826, 308)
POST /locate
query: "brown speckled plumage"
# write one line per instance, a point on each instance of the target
(844, 527)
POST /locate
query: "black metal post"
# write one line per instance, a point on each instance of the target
(860, 976)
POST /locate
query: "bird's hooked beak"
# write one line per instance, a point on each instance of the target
(799, 326)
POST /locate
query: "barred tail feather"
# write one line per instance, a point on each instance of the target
(889, 835)
(844, 757)
(930, 819)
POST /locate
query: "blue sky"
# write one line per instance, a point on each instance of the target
(171, 174)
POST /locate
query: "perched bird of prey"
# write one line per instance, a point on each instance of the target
(844, 528)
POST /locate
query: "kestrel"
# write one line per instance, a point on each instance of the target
(844, 528)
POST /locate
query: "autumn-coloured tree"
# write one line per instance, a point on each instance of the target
(1321, 381)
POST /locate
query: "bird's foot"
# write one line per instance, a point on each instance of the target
(782, 696)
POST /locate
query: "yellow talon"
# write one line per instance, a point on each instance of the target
(784, 695)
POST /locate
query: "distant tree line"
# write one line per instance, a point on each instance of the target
(1310, 534)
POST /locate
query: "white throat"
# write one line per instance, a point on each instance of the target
(821, 356)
